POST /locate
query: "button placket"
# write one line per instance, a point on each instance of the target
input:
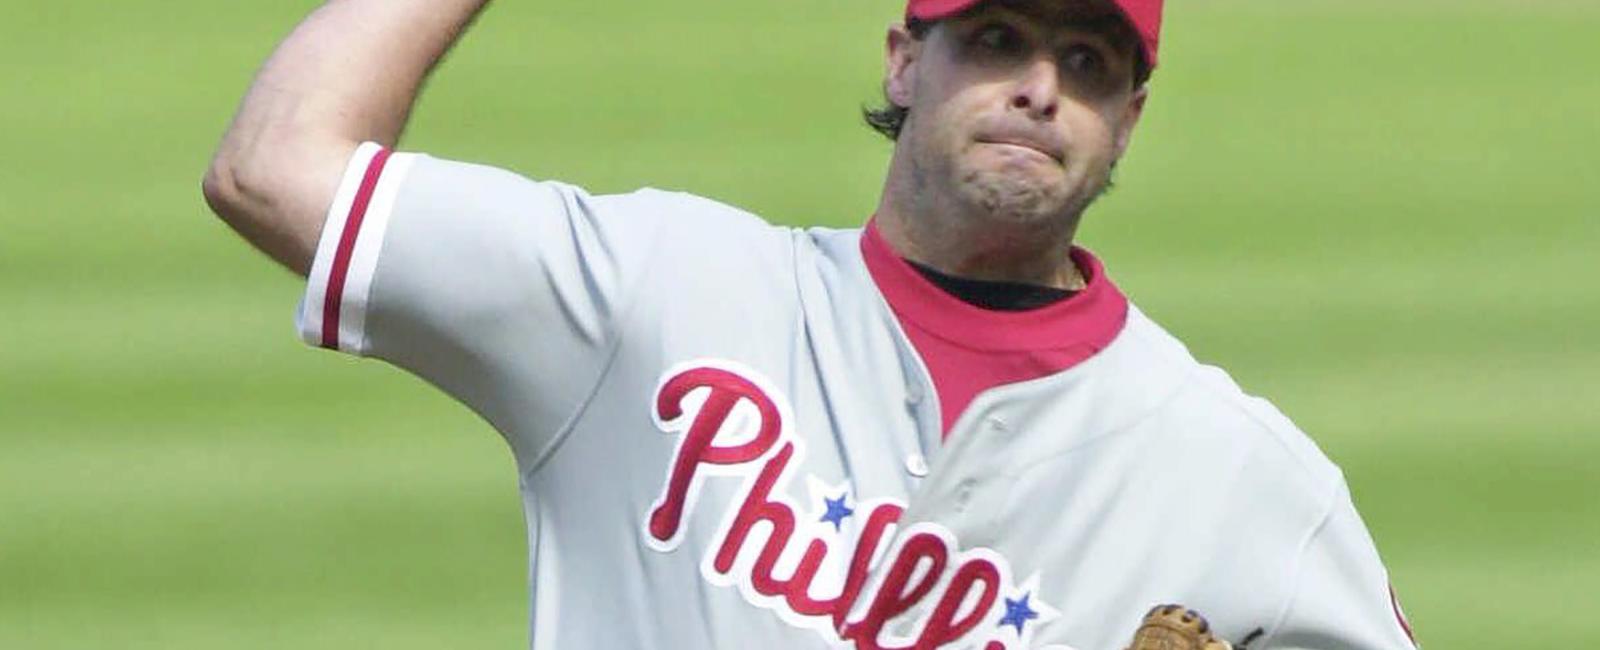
(924, 413)
(978, 499)
(963, 495)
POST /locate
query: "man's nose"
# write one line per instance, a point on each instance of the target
(1038, 90)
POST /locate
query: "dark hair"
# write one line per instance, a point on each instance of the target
(889, 118)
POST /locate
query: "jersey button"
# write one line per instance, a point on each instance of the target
(916, 465)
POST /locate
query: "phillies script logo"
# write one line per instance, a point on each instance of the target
(841, 567)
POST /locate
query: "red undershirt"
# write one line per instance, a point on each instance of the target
(969, 349)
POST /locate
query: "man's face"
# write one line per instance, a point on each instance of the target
(1018, 109)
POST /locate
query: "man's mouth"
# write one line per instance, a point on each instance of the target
(1028, 144)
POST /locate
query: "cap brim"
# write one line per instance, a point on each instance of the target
(941, 9)
(938, 9)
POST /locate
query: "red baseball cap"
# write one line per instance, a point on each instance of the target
(1143, 15)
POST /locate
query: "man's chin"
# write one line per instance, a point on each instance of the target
(1013, 198)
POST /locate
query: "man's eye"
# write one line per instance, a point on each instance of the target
(998, 39)
(1083, 59)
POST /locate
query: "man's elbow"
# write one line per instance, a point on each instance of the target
(220, 187)
(273, 202)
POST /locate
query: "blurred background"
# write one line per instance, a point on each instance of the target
(1384, 215)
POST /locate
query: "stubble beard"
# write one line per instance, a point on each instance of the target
(1010, 199)
(1007, 200)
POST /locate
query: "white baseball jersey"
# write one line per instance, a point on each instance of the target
(726, 438)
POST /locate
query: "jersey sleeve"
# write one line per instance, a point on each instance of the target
(1342, 599)
(502, 291)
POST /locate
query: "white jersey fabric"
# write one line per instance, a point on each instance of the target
(726, 441)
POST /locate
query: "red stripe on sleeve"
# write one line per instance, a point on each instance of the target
(1394, 601)
(334, 296)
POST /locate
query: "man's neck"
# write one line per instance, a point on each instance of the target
(994, 296)
(975, 248)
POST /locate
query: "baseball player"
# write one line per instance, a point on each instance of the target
(945, 429)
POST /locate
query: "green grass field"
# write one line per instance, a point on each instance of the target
(1382, 215)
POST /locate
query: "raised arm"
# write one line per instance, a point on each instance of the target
(349, 73)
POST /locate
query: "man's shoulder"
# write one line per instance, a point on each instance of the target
(456, 180)
(680, 207)
(1209, 406)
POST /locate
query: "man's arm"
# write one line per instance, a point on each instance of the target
(349, 73)
(1342, 599)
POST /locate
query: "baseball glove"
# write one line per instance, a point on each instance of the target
(1174, 627)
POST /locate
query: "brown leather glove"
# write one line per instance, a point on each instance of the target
(1174, 627)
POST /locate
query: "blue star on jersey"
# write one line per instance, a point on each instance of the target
(1018, 613)
(837, 511)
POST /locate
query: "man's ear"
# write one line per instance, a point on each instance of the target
(1130, 119)
(900, 57)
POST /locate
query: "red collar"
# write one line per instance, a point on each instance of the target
(1089, 320)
